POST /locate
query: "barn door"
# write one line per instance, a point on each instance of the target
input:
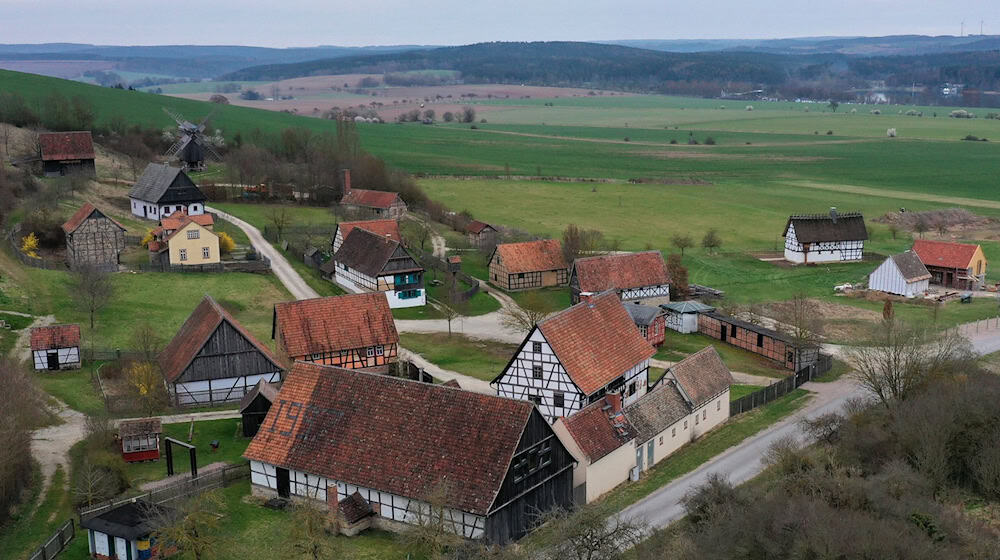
(53, 360)
(284, 487)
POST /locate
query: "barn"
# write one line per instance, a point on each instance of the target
(373, 263)
(818, 238)
(213, 360)
(377, 204)
(481, 235)
(55, 347)
(494, 462)
(67, 153)
(902, 275)
(757, 339)
(953, 265)
(93, 239)
(528, 265)
(163, 190)
(635, 276)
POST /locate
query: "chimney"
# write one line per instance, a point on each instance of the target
(347, 181)
(833, 213)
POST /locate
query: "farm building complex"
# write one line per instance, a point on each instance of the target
(382, 228)
(953, 265)
(370, 262)
(528, 265)
(67, 153)
(902, 274)
(55, 347)
(760, 340)
(377, 204)
(818, 238)
(93, 239)
(163, 190)
(634, 276)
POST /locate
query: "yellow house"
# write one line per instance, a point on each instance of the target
(192, 244)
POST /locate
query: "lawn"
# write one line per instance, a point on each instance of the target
(259, 215)
(476, 358)
(74, 388)
(548, 300)
(737, 392)
(228, 433)
(678, 346)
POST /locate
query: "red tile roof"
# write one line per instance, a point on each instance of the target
(475, 226)
(53, 337)
(600, 428)
(180, 217)
(195, 332)
(596, 341)
(371, 199)
(82, 214)
(57, 146)
(944, 253)
(311, 326)
(701, 376)
(531, 256)
(378, 227)
(621, 272)
(392, 434)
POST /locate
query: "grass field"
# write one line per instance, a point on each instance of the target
(74, 388)
(678, 346)
(31, 527)
(228, 433)
(475, 358)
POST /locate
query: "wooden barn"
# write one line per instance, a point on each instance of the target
(213, 360)
(902, 275)
(650, 320)
(67, 153)
(382, 228)
(140, 439)
(55, 347)
(634, 276)
(528, 265)
(354, 331)
(93, 239)
(961, 266)
(682, 316)
(481, 235)
(126, 532)
(819, 238)
(255, 404)
(377, 204)
(335, 432)
(757, 339)
(377, 263)
(163, 190)
(577, 356)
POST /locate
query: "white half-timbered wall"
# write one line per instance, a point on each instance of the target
(155, 211)
(215, 391)
(887, 278)
(356, 281)
(386, 505)
(68, 357)
(827, 251)
(646, 292)
(520, 381)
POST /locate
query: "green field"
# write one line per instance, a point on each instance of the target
(228, 433)
(475, 358)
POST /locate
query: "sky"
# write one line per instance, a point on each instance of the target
(292, 23)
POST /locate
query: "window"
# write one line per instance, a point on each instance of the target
(704, 414)
(537, 399)
(558, 400)
(193, 234)
(643, 330)
(631, 389)
(790, 356)
(685, 424)
(673, 431)
(718, 404)
(695, 419)
(520, 275)
(536, 346)
(536, 371)
(205, 252)
(661, 440)
(545, 454)
(380, 350)
(732, 331)
(760, 340)
(317, 357)
(370, 351)
(184, 254)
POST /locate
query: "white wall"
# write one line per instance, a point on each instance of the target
(682, 322)
(68, 358)
(395, 302)
(710, 415)
(887, 278)
(609, 471)
(832, 251)
(227, 389)
(155, 211)
(341, 277)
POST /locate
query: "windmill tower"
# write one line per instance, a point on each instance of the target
(191, 147)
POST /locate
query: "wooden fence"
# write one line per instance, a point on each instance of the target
(14, 236)
(261, 264)
(782, 387)
(430, 262)
(56, 543)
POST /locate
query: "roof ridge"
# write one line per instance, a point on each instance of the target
(572, 307)
(854, 214)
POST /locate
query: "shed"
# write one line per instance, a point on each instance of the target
(902, 275)
(140, 439)
(55, 347)
(481, 234)
(682, 316)
(255, 404)
(93, 239)
(953, 265)
(650, 321)
(126, 532)
(65, 153)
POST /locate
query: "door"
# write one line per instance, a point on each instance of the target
(638, 457)
(722, 332)
(53, 360)
(284, 488)
(649, 452)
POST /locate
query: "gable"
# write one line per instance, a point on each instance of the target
(227, 353)
(621, 272)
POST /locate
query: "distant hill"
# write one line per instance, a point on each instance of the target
(867, 46)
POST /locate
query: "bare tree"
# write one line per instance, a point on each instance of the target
(93, 484)
(193, 526)
(23, 410)
(522, 318)
(682, 242)
(921, 226)
(800, 319)
(577, 242)
(280, 218)
(309, 537)
(711, 241)
(92, 289)
(432, 531)
(587, 533)
(450, 311)
(147, 340)
(893, 230)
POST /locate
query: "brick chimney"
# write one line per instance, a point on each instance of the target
(346, 181)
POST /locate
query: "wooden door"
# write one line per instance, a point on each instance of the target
(53, 360)
(284, 486)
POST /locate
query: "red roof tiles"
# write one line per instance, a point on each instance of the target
(179, 218)
(702, 375)
(596, 341)
(381, 228)
(58, 146)
(600, 428)
(621, 272)
(476, 227)
(531, 256)
(82, 214)
(53, 337)
(370, 199)
(392, 434)
(329, 324)
(944, 253)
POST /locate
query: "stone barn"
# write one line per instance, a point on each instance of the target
(93, 239)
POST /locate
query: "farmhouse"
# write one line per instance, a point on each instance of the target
(374, 263)
(635, 276)
(93, 239)
(650, 321)
(528, 265)
(481, 234)
(140, 439)
(757, 339)
(902, 275)
(354, 331)
(162, 190)
(682, 316)
(577, 356)
(254, 406)
(67, 153)
(55, 347)
(214, 360)
(383, 228)
(953, 265)
(833, 237)
(191, 243)
(125, 532)
(703, 380)
(378, 204)
(497, 459)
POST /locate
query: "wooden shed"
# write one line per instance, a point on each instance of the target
(67, 153)
(55, 347)
(255, 404)
(902, 275)
(140, 439)
(757, 339)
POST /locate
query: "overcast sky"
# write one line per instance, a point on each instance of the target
(284, 23)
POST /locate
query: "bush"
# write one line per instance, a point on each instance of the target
(710, 141)
(448, 116)
(627, 139)
(673, 140)
(961, 114)
(876, 112)
(829, 133)
(29, 245)
(226, 243)
(971, 138)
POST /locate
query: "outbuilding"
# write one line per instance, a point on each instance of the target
(93, 239)
(67, 153)
(377, 204)
(760, 340)
(162, 190)
(953, 265)
(140, 439)
(528, 265)
(650, 321)
(125, 532)
(902, 275)
(255, 404)
(55, 347)
(682, 316)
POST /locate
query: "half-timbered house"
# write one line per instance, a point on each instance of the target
(255, 404)
(818, 238)
(140, 439)
(93, 239)
(953, 265)
(495, 463)
(902, 274)
(213, 360)
(682, 316)
(55, 347)
(649, 320)
(163, 190)
(528, 265)
(373, 263)
(577, 356)
(383, 228)
(354, 331)
(378, 204)
(481, 234)
(67, 153)
(760, 340)
(634, 276)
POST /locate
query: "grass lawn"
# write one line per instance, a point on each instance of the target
(548, 300)
(476, 358)
(30, 529)
(258, 215)
(8, 336)
(678, 346)
(74, 388)
(228, 433)
(700, 451)
(838, 370)
(736, 392)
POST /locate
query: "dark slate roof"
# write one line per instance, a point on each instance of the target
(600, 427)
(139, 427)
(354, 508)
(656, 411)
(642, 314)
(701, 376)
(267, 390)
(393, 435)
(367, 253)
(817, 228)
(910, 266)
(58, 146)
(689, 306)
(130, 520)
(159, 183)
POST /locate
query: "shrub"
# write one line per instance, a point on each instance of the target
(448, 116)
(876, 112)
(29, 245)
(961, 114)
(749, 107)
(710, 141)
(627, 139)
(829, 133)
(226, 243)
(692, 142)
(673, 140)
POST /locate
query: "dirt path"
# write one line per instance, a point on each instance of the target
(50, 446)
(22, 347)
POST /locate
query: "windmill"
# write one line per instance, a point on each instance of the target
(191, 146)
